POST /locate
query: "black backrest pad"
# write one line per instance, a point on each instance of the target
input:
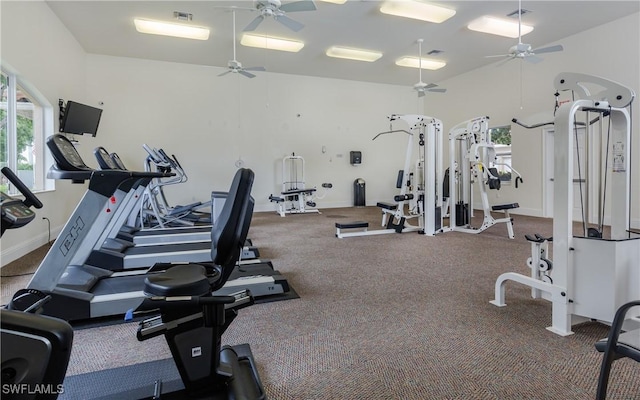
(225, 244)
(243, 231)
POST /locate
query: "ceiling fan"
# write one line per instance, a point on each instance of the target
(234, 65)
(422, 87)
(524, 51)
(277, 10)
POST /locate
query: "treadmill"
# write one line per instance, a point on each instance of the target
(117, 237)
(81, 291)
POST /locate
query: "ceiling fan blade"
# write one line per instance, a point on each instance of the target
(420, 93)
(549, 49)
(255, 69)
(533, 59)
(498, 55)
(224, 73)
(290, 23)
(245, 73)
(437, 90)
(431, 85)
(254, 24)
(304, 5)
(506, 60)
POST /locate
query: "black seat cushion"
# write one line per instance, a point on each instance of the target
(500, 207)
(180, 280)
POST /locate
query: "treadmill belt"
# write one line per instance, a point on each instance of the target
(121, 284)
(168, 248)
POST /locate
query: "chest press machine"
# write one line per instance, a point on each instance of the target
(420, 195)
(472, 159)
(590, 276)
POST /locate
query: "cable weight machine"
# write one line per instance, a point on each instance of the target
(472, 158)
(591, 276)
(418, 206)
(295, 197)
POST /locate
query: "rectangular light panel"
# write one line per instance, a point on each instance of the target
(414, 62)
(417, 10)
(353, 54)
(500, 27)
(271, 43)
(171, 29)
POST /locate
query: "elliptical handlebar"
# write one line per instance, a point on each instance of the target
(30, 199)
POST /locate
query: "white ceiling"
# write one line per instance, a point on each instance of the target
(106, 27)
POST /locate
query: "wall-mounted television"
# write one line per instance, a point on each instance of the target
(80, 119)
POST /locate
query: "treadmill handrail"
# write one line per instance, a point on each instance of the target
(56, 173)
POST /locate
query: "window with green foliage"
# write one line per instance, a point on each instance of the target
(501, 138)
(21, 133)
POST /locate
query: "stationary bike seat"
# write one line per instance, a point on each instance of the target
(180, 280)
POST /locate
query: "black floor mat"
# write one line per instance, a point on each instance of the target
(130, 382)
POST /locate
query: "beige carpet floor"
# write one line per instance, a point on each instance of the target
(400, 316)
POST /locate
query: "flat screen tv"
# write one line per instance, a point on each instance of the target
(80, 119)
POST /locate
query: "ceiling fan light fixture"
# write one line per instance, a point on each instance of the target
(414, 62)
(417, 10)
(353, 54)
(171, 29)
(500, 27)
(271, 43)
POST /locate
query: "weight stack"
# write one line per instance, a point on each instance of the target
(462, 214)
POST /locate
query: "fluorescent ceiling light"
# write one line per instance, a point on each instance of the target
(498, 27)
(353, 54)
(414, 62)
(417, 10)
(335, 1)
(171, 29)
(271, 43)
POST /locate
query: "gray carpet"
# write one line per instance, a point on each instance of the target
(400, 316)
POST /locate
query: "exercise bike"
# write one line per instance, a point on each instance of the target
(36, 349)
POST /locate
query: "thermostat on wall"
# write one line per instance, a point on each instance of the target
(355, 157)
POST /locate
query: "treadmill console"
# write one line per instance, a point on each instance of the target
(117, 161)
(65, 154)
(104, 159)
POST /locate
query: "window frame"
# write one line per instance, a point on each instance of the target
(43, 122)
(501, 151)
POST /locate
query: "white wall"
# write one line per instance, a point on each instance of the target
(210, 122)
(36, 45)
(611, 51)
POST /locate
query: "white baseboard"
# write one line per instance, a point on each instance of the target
(13, 253)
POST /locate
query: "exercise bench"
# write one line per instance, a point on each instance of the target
(351, 225)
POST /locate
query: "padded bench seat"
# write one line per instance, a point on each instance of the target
(387, 206)
(298, 191)
(502, 207)
(352, 225)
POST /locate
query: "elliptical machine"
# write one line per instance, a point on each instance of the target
(191, 319)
